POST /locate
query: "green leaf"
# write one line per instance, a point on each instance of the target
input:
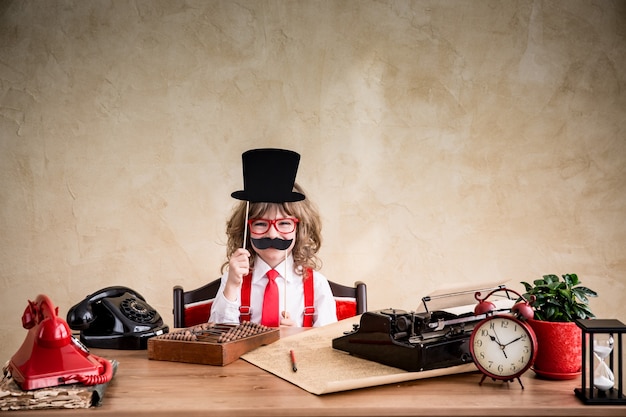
(582, 297)
(565, 293)
(588, 292)
(572, 279)
(555, 285)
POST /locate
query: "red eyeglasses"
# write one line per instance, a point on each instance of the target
(261, 226)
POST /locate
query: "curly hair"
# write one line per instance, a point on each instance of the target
(308, 231)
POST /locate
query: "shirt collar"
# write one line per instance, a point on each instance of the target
(261, 268)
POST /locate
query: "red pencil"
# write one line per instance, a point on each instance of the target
(293, 361)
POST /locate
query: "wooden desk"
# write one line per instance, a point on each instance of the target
(144, 387)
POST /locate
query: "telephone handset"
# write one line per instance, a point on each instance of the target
(116, 318)
(50, 355)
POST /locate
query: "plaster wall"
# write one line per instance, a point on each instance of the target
(446, 143)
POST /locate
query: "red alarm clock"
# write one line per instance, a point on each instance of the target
(502, 345)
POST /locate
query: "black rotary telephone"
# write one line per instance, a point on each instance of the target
(115, 318)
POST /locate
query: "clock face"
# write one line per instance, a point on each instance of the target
(503, 347)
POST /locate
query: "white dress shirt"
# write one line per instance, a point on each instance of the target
(226, 311)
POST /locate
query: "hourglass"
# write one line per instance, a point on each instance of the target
(601, 373)
(603, 378)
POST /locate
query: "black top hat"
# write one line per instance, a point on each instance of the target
(269, 176)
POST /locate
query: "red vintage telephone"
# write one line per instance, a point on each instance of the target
(50, 355)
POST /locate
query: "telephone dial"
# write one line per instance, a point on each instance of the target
(116, 318)
(50, 355)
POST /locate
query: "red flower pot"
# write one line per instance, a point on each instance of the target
(559, 350)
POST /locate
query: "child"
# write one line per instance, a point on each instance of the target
(282, 232)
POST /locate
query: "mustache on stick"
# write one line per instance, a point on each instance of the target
(276, 243)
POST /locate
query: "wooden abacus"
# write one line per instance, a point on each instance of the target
(210, 343)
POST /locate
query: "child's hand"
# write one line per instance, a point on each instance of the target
(285, 319)
(238, 267)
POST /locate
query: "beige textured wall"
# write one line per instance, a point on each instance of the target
(445, 142)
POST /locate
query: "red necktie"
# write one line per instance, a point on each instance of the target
(270, 301)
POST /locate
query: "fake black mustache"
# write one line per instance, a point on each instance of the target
(276, 243)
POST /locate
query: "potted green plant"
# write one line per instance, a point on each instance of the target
(557, 304)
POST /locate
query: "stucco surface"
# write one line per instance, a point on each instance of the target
(445, 143)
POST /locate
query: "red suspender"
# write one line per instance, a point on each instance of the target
(244, 309)
(309, 297)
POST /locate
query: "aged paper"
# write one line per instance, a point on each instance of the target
(322, 369)
(63, 396)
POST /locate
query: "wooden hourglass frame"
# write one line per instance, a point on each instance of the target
(589, 393)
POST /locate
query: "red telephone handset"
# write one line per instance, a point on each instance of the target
(50, 356)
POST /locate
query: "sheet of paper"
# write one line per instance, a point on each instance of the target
(322, 369)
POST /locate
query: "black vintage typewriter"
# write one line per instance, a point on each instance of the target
(423, 340)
